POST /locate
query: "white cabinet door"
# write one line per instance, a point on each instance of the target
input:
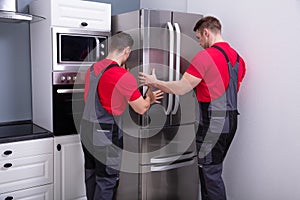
(26, 148)
(81, 14)
(37, 193)
(25, 172)
(68, 168)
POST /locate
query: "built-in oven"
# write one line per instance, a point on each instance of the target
(73, 50)
(76, 47)
(68, 101)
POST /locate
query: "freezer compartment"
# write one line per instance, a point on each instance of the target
(176, 181)
(129, 187)
(173, 141)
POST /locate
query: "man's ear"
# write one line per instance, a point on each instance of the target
(205, 32)
(127, 50)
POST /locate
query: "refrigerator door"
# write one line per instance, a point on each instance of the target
(186, 47)
(153, 37)
(167, 144)
(158, 43)
(130, 23)
(176, 181)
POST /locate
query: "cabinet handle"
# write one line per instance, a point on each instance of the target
(9, 198)
(7, 153)
(84, 24)
(7, 165)
(58, 147)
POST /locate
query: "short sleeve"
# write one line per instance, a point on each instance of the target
(127, 86)
(199, 65)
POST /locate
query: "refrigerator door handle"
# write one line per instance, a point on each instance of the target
(171, 63)
(168, 159)
(178, 42)
(172, 166)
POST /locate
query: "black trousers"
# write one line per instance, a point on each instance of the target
(102, 163)
(213, 148)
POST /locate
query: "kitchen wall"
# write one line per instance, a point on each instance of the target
(264, 161)
(15, 87)
(15, 78)
(174, 5)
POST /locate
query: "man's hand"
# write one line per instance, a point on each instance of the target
(154, 96)
(146, 79)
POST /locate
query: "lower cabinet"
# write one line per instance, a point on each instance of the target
(68, 168)
(26, 170)
(36, 193)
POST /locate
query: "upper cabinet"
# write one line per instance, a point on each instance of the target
(74, 13)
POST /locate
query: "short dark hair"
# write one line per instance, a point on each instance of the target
(208, 22)
(120, 41)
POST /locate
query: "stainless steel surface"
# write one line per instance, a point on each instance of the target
(180, 183)
(68, 78)
(177, 68)
(164, 138)
(159, 168)
(171, 64)
(9, 13)
(172, 158)
(57, 32)
(166, 142)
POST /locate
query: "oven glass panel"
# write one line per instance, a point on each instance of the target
(67, 110)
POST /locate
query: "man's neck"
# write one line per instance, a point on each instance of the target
(115, 57)
(216, 39)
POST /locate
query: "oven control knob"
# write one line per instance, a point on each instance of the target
(74, 78)
(62, 78)
(69, 78)
(102, 46)
(102, 53)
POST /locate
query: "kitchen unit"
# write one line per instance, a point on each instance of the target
(161, 144)
(58, 78)
(26, 169)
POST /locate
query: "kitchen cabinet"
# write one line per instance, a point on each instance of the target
(37, 193)
(68, 168)
(26, 164)
(74, 13)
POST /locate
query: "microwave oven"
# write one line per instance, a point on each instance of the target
(74, 49)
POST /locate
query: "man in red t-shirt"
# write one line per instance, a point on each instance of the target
(109, 88)
(216, 73)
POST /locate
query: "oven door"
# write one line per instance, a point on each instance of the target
(68, 105)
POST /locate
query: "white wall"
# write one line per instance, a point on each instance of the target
(174, 5)
(264, 159)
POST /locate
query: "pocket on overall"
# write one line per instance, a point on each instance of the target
(86, 132)
(205, 153)
(113, 160)
(101, 137)
(219, 124)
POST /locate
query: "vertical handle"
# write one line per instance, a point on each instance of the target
(178, 42)
(171, 63)
(97, 49)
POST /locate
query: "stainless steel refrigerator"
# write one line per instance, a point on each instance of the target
(159, 157)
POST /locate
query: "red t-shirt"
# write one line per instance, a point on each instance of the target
(211, 66)
(116, 87)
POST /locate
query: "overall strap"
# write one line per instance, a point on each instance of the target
(106, 68)
(225, 55)
(90, 113)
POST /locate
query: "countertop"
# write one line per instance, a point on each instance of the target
(21, 130)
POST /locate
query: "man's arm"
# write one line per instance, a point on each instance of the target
(181, 87)
(141, 105)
